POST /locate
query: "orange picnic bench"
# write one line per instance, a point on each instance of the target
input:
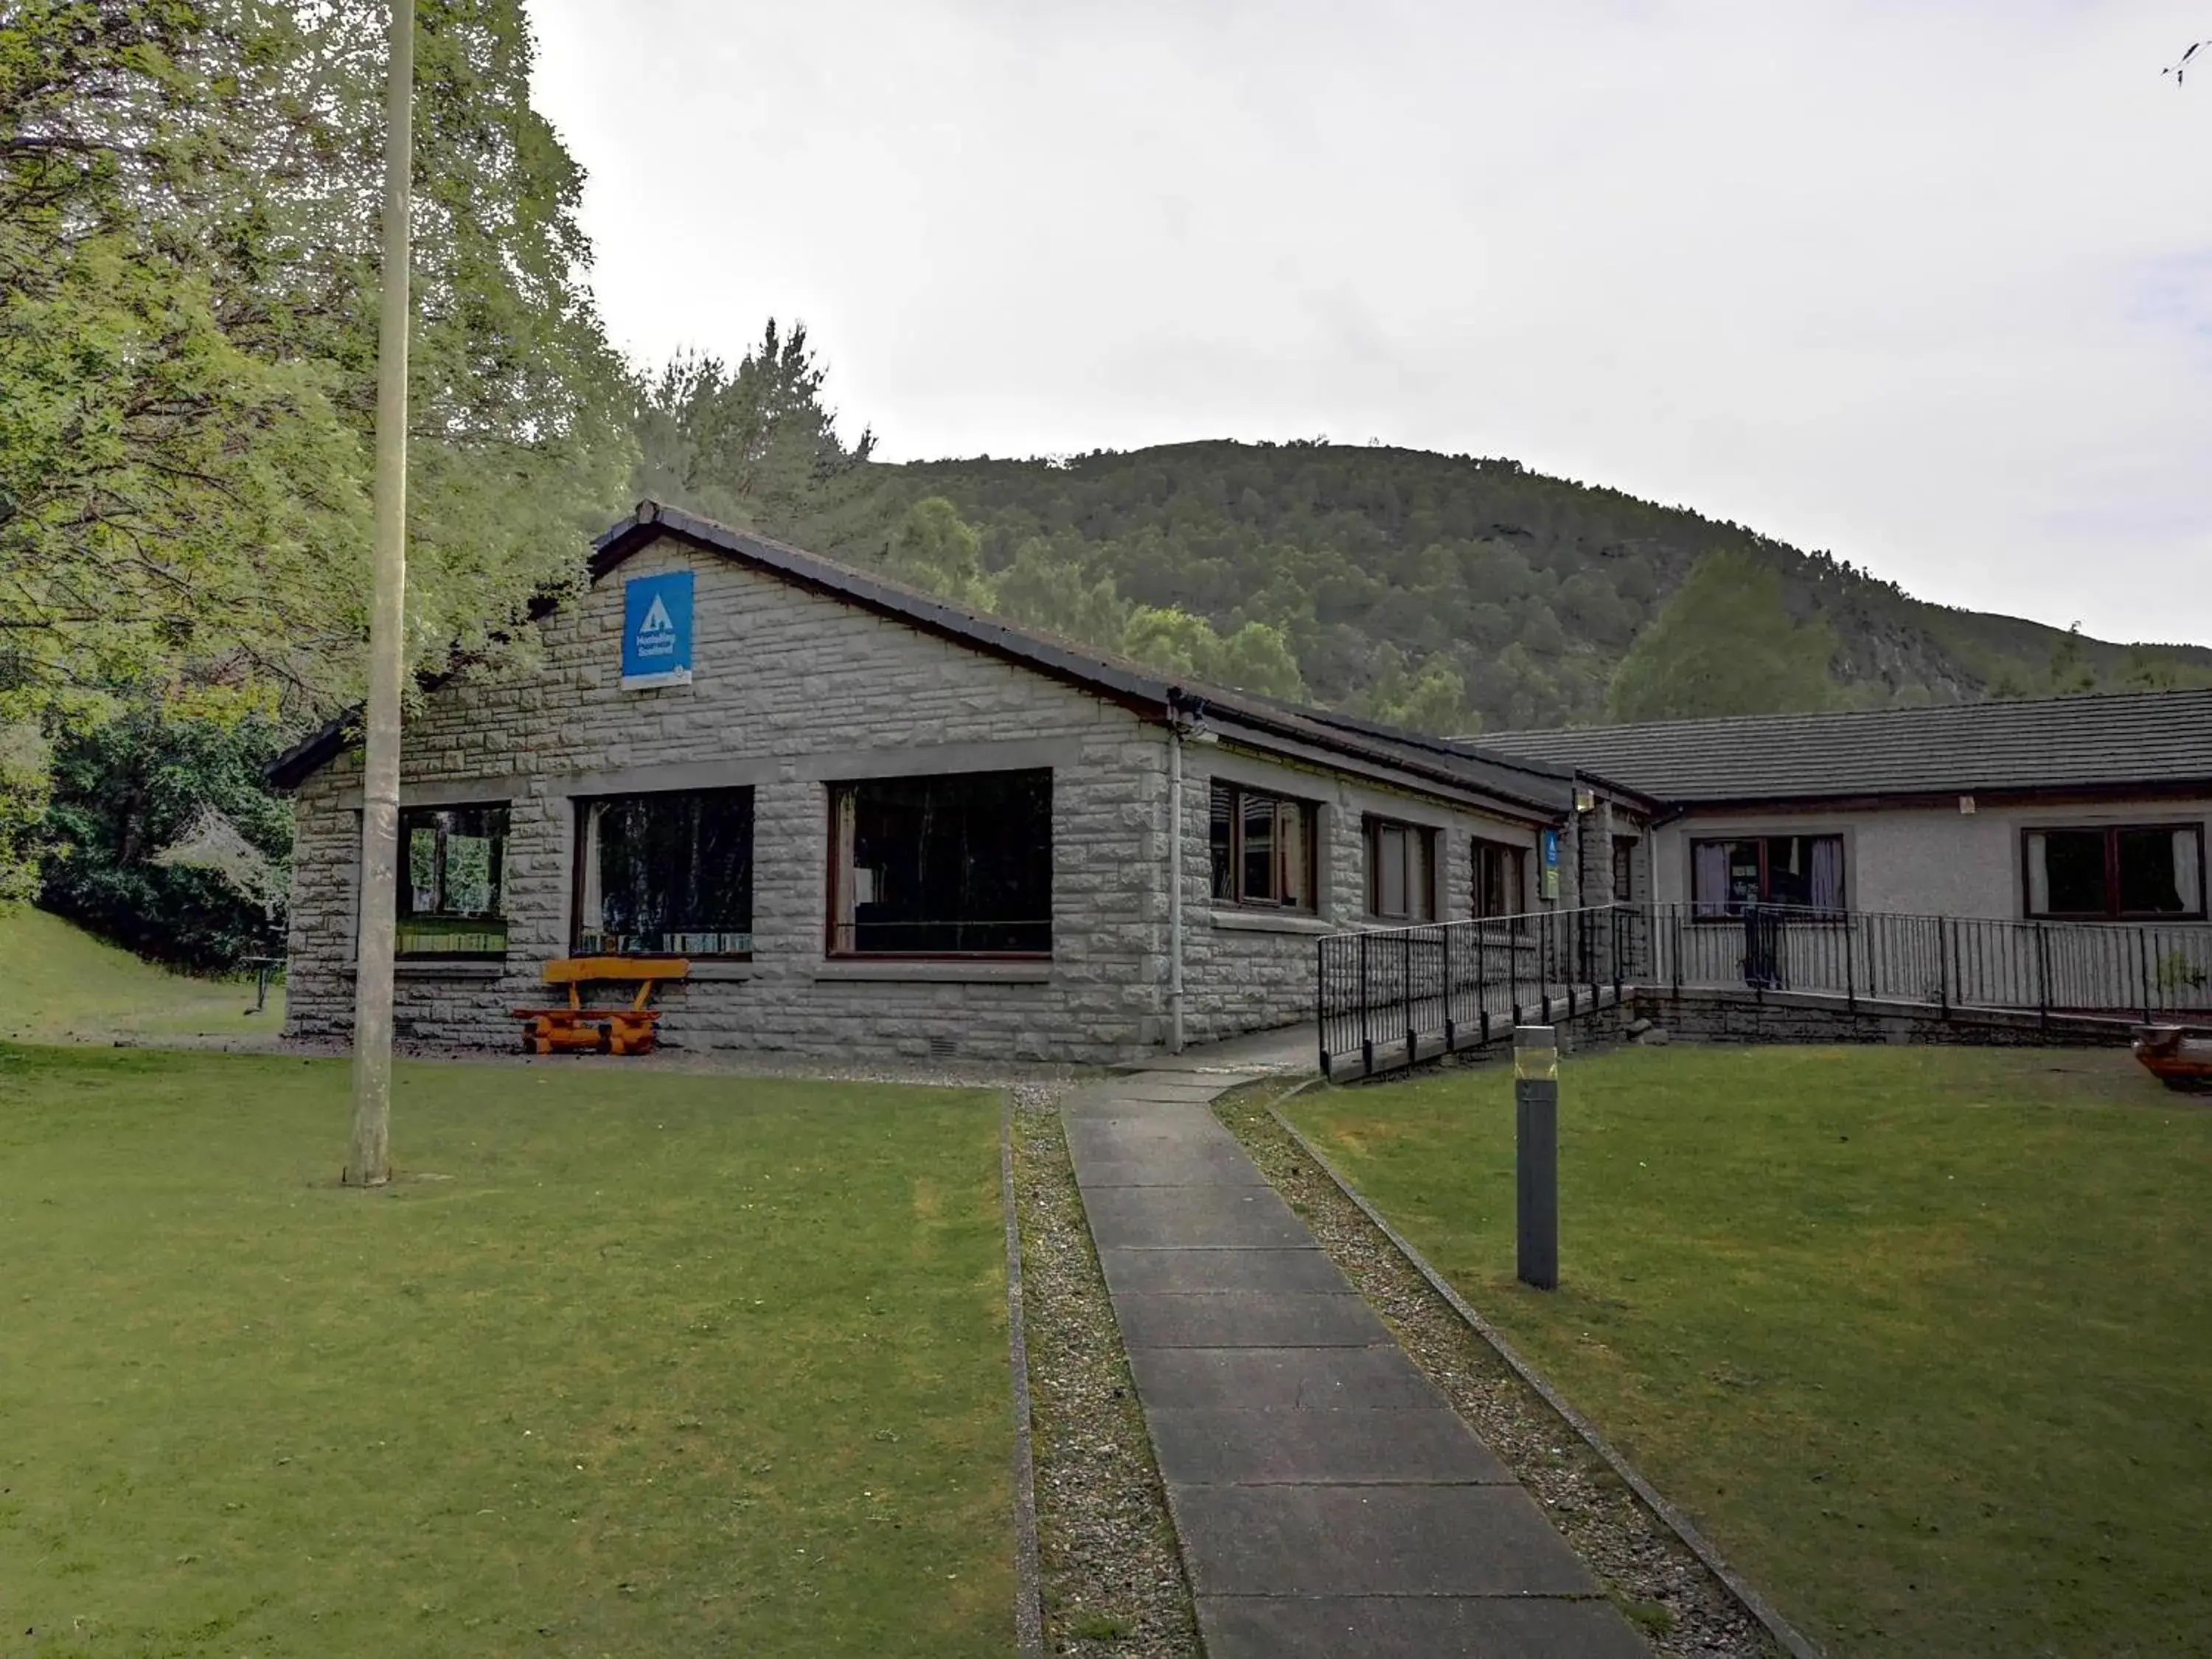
(579, 1029)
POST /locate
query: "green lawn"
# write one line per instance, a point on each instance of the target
(59, 984)
(626, 1363)
(1922, 1336)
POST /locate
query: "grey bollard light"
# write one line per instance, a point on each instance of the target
(1536, 1153)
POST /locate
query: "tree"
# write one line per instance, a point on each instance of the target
(1432, 699)
(1256, 658)
(1725, 644)
(1039, 591)
(935, 549)
(756, 445)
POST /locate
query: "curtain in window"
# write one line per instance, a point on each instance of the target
(1828, 884)
(1709, 878)
(2188, 869)
(2038, 877)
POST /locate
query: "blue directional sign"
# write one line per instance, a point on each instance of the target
(657, 630)
(1550, 888)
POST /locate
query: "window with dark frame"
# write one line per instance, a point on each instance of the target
(1264, 849)
(1402, 865)
(665, 873)
(1800, 872)
(453, 891)
(1624, 869)
(954, 866)
(2114, 873)
(1501, 879)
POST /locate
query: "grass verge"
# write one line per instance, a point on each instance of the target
(1921, 1337)
(645, 1363)
(64, 985)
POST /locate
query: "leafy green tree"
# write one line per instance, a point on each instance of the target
(936, 550)
(1172, 641)
(1725, 644)
(129, 789)
(1257, 658)
(1040, 591)
(1431, 698)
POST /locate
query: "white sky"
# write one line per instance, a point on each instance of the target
(1925, 282)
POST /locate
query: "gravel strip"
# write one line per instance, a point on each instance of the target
(1113, 1577)
(1665, 1591)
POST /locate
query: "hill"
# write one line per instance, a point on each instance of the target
(1374, 562)
(65, 986)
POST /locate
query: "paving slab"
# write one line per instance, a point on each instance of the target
(1414, 1627)
(1126, 1137)
(1171, 1216)
(1373, 1540)
(1375, 1379)
(1249, 1447)
(1247, 1319)
(1307, 1269)
(1170, 1164)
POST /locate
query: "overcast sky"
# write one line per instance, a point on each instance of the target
(1926, 285)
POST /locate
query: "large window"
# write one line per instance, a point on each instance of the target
(452, 881)
(1501, 879)
(1803, 872)
(1263, 849)
(668, 873)
(1401, 863)
(2122, 870)
(958, 865)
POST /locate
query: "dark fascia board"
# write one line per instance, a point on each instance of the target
(2056, 795)
(1545, 788)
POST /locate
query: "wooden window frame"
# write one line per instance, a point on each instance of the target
(1519, 857)
(1372, 829)
(582, 806)
(2112, 833)
(498, 921)
(1309, 815)
(1724, 916)
(834, 886)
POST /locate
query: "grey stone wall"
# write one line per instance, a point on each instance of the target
(791, 691)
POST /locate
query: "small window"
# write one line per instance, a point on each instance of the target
(1501, 879)
(1624, 869)
(452, 886)
(1400, 872)
(2115, 872)
(1263, 849)
(1801, 873)
(956, 865)
(666, 874)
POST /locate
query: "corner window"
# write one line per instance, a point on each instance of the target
(452, 881)
(958, 865)
(1501, 879)
(1401, 884)
(1263, 848)
(1800, 872)
(666, 874)
(2121, 871)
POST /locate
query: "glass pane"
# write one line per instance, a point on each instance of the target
(421, 897)
(952, 865)
(2149, 885)
(1420, 889)
(1259, 874)
(1389, 854)
(1742, 873)
(1789, 872)
(469, 871)
(2073, 870)
(675, 873)
(1220, 836)
(1293, 825)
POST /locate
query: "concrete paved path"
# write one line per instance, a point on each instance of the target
(1329, 1499)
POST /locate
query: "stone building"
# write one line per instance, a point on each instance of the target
(876, 823)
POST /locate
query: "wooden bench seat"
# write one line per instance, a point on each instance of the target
(579, 1028)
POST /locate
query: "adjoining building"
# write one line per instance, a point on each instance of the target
(877, 823)
(2081, 809)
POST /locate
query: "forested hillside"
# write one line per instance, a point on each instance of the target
(1450, 592)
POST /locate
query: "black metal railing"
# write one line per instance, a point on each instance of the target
(1454, 982)
(1403, 992)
